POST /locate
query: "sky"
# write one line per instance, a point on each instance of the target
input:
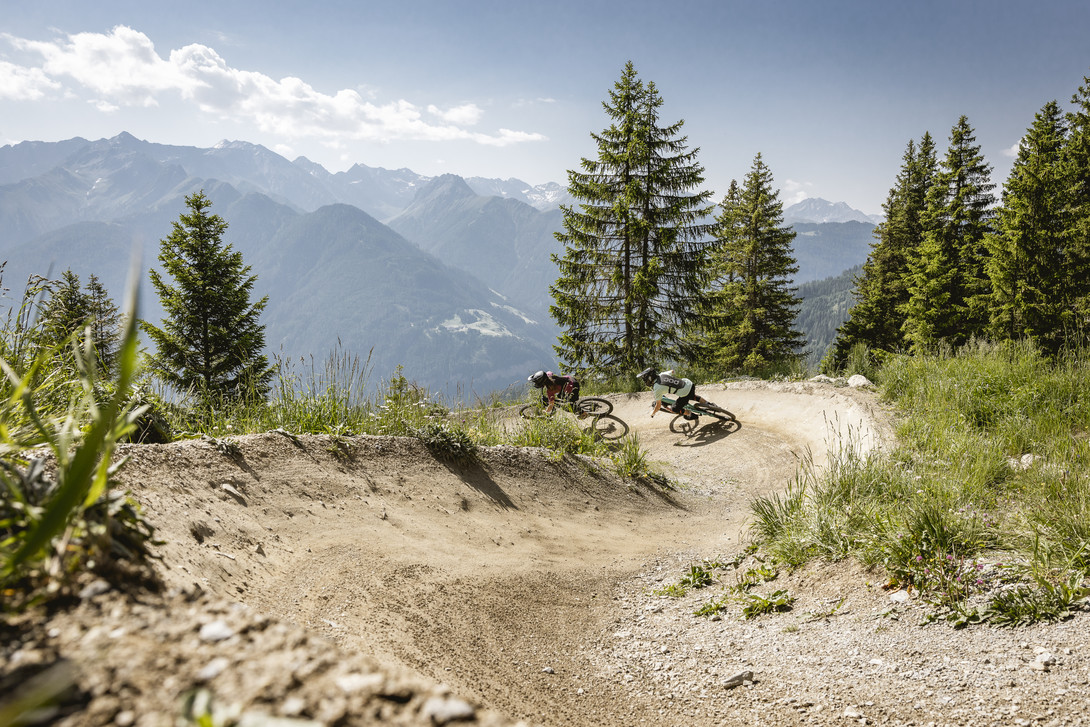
(829, 92)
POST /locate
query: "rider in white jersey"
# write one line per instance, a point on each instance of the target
(666, 384)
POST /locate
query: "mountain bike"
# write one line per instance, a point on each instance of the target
(587, 406)
(705, 408)
(602, 425)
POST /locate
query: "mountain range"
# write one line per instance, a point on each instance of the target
(818, 210)
(447, 277)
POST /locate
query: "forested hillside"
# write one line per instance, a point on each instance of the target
(825, 306)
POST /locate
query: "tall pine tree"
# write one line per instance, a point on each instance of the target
(1028, 264)
(634, 246)
(105, 323)
(66, 311)
(1077, 234)
(949, 289)
(752, 325)
(881, 290)
(211, 341)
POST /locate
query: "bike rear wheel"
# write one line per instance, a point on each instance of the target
(594, 406)
(608, 427)
(712, 410)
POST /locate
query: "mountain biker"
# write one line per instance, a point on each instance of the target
(553, 385)
(683, 391)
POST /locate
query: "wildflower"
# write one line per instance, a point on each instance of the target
(919, 558)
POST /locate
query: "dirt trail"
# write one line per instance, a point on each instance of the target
(361, 581)
(492, 579)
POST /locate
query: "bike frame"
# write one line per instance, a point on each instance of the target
(672, 403)
(560, 400)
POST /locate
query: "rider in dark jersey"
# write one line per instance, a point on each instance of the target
(553, 385)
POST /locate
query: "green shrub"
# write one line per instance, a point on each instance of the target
(775, 514)
(447, 441)
(956, 487)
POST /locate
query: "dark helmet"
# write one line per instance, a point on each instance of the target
(648, 376)
(538, 379)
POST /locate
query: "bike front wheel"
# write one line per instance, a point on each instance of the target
(533, 411)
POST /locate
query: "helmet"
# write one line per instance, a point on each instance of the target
(648, 375)
(538, 378)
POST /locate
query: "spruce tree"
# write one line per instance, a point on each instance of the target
(1077, 225)
(630, 273)
(211, 341)
(753, 325)
(105, 323)
(1028, 265)
(66, 311)
(949, 289)
(70, 311)
(881, 290)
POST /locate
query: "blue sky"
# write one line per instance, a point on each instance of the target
(828, 92)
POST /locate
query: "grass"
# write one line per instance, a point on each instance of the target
(993, 465)
(61, 522)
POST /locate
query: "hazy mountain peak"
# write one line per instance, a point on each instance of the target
(816, 209)
(446, 185)
(312, 168)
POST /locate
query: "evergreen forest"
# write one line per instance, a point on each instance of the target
(651, 274)
(953, 263)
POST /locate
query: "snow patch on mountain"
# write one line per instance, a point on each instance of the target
(480, 321)
(515, 312)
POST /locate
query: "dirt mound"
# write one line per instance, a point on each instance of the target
(363, 581)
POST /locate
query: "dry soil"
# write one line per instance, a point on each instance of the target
(363, 581)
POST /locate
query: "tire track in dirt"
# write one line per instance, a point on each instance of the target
(492, 578)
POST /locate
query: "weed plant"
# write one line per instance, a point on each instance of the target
(699, 575)
(756, 604)
(630, 459)
(993, 463)
(58, 524)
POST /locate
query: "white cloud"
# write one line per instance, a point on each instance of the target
(466, 114)
(105, 107)
(122, 68)
(507, 137)
(794, 192)
(533, 102)
(1012, 151)
(24, 84)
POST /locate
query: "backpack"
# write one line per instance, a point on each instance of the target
(671, 382)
